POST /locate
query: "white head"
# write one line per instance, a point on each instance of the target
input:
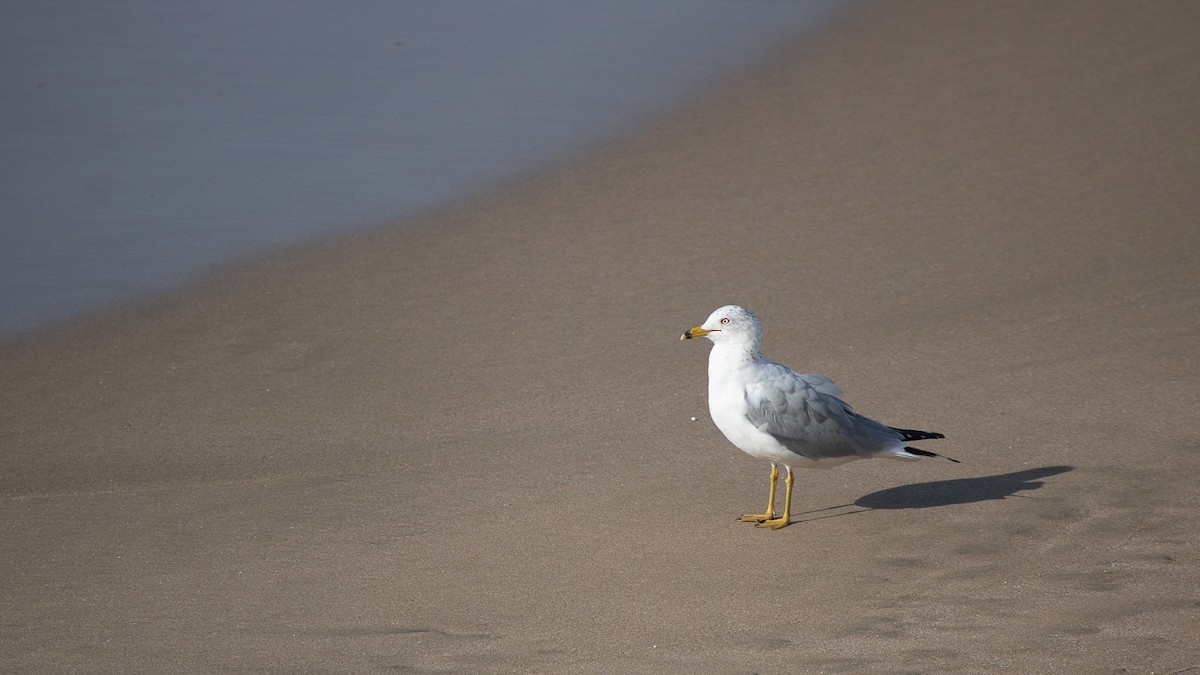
(729, 325)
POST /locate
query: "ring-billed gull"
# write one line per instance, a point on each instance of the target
(773, 413)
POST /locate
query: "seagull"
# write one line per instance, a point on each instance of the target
(774, 413)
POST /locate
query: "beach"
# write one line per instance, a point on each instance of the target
(465, 442)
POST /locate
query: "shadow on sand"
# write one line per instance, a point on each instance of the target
(959, 491)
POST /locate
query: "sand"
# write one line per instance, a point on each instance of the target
(464, 443)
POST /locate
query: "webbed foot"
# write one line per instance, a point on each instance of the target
(756, 517)
(775, 523)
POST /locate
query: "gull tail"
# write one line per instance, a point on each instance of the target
(914, 435)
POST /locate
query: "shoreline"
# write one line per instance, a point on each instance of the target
(225, 134)
(465, 444)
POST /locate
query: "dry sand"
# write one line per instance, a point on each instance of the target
(464, 444)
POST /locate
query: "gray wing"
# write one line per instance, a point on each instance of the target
(820, 383)
(805, 414)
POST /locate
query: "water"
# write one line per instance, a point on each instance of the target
(143, 141)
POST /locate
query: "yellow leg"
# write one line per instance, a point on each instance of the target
(783, 520)
(760, 517)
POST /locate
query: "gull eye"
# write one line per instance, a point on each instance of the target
(725, 321)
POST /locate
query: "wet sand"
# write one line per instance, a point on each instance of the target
(464, 444)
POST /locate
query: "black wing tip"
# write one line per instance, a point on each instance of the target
(925, 453)
(915, 435)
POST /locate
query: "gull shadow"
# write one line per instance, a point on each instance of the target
(959, 491)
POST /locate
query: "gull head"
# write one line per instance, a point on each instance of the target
(729, 324)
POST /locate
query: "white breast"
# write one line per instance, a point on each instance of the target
(727, 406)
